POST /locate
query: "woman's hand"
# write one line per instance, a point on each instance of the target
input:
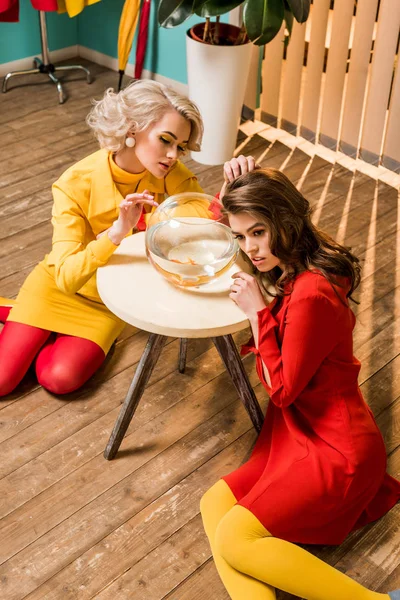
(236, 167)
(130, 210)
(246, 293)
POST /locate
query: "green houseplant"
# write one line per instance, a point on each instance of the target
(219, 56)
(262, 19)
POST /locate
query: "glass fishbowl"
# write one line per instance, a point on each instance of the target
(187, 242)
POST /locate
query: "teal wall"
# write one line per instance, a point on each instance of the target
(97, 28)
(166, 54)
(18, 40)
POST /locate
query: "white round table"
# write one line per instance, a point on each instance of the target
(134, 291)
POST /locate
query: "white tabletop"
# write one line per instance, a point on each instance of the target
(133, 290)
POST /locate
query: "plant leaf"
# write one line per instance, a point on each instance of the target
(214, 8)
(288, 16)
(300, 9)
(174, 12)
(262, 19)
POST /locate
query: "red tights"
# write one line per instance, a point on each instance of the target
(63, 362)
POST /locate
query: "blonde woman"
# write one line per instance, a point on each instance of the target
(58, 318)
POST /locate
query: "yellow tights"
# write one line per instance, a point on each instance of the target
(252, 563)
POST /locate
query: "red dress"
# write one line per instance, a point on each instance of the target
(318, 469)
(9, 9)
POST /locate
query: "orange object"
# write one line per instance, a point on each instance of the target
(189, 261)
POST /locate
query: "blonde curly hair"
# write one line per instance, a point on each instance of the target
(137, 107)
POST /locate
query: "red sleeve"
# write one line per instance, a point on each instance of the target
(141, 224)
(215, 208)
(311, 332)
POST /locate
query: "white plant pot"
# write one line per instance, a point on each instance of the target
(217, 78)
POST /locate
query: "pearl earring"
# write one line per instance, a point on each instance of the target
(130, 142)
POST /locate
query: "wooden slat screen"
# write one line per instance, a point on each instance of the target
(391, 151)
(336, 72)
(271, 78)
(292, 82)
(338, 82)
(381, 80)
(358, 76)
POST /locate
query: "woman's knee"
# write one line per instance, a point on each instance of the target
(19, 344)
(7, 384)
(227, 540)
(236, 534)
(214, 505)
(12, 371)
(64, 366)
(57, 378)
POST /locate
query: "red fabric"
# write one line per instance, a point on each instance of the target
(318, 469)
(64, 363)
(47, 5)
(19, 344)
(4, 312)
(142, 38)
(216, 209)
(9, 9)
(141, 224)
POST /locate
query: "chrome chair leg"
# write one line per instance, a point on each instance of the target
(61, 95)
(15, 73)
(45, 66)
(72, 67)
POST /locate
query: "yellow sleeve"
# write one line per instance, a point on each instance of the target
(180, 179)
(75, 261)
(190, 185)
(196, 208)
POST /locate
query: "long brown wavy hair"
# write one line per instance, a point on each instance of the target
(270, 197)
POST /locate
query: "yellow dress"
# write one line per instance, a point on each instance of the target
(60, 294)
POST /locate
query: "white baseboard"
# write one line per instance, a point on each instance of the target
(27, 63)
(94, 56)
(112, 63)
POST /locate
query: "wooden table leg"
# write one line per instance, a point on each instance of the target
(182, 354)
(143, 371)
(233, 363)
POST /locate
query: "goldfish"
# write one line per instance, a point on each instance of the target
(189, 261)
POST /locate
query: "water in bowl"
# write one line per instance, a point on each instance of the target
(191, 251)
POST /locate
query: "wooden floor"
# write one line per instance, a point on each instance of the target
(77, 527)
